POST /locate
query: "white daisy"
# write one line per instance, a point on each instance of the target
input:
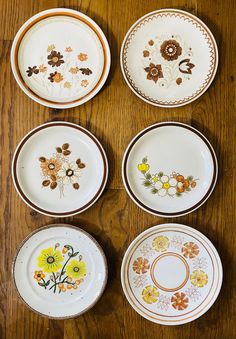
(69, 173)
(166, 186)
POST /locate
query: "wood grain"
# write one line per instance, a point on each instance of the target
(115, 116)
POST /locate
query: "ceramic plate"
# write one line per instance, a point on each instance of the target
(169, 58)
(60, 271)
(169, 169)
(59, 169)
(171, 274)
(60, 58)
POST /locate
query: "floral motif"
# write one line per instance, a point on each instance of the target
(179, 301)
(51, 48)
(67, 84)
(170, 50)
(42, 68)
(185, 66)
(55, 77)
(82, 56)
(193, 293)
(154, 72)
(164, 185)
(161, 243)
(199, 263)
(68, 49)
(64, 273)
(190, 250)
(147, 251)
(141, 265)
(85, 71)
(199, 278)
(55, 59)
(84, 83)
(74, 70)
(140, 281)
(177, 242)
(32, 70)
(150, 294)
(58, 171)
(163, 302)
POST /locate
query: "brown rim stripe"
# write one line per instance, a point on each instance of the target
(76, 16)
(164, 228)
(214, 177)
(79, 230)
(66, 124)
(195, 22)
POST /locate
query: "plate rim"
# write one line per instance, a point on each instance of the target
(189, 228)
(137, 201)
(194, 17)
(38, 17)
(70, 227)
(23, 196)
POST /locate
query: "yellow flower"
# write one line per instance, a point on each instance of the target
(51, 48)
(143, 167)
(155, 178)
(166, 185)
(50, 260)
(150, 294)
(39, 275)
(161, 243)
(82, 57)
(199, 278)
(67, 84)
(76, 269)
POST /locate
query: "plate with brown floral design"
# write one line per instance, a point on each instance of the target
(169, 58)
(60, 58)
(171, 274)
(169, 169)
(59, 169)
(60, 271)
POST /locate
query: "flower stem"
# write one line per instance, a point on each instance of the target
(55, 285)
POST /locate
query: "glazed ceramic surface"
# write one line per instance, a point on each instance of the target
(171, 274)
(60, 58)
(169, 58)
(169, 169)
(59, 169)
(60, 271)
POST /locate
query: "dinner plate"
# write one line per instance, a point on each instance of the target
(169, 58)
(169, 169)
(171, 274)
(59, 169)
(60, 271)
(60, 58)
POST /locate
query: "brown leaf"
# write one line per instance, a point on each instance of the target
(42, 159)
(59, 150)
(85, 71)
(76, 186)
(65, 146)
(45, 183)
(78, 161)
(66, 152)
(81, 165)
(53, 185)
(53, 177)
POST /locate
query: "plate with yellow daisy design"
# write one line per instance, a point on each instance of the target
(171, 274)
(169, 169)
(169, 58)
(60, 58)
(60, 271)
(59, 169)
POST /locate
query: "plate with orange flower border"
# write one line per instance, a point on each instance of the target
(60, 271)
(60, 58)
(169, 58)
(171, 274)
(169, 169)
(59, 169)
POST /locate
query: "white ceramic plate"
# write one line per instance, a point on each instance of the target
(169, 169)
(59, 169)
(60, 271)
(171, 274)
(169, 58)
(60, 58)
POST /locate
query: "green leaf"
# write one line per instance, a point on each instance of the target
(188, 189)
(47, 283)
(154, 191)
(160, 174)
(41, 284)
(148, 176)
(190, 178)
(75, 254)
(144, 161)
(178, 194)
(147, 183)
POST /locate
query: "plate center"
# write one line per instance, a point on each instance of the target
(170, 272)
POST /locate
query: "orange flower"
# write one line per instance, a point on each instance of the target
(39, 275)
(179, 301)
(68, 49)
(50, 166)
(190, 250)
(42, 68)
(84, 83)
(75, 287)
(58, 77)
(69, 287)
(82, 56)
(74, 70)
(141, 265)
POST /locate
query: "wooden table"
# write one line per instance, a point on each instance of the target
(115, 115)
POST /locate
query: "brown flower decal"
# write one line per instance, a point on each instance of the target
(154, 72)
(55, 59)
(179, 301)
(85, 71)
(32, 70)
(55, 77)
(185, 66)
(50, 166)
(170, 50)
(141, 265)
(190, 250)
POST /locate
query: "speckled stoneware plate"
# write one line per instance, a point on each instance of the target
(59, 169)
(169, 169)
(171, 274)
(169, 58)
(60, 271)
(60, 58)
